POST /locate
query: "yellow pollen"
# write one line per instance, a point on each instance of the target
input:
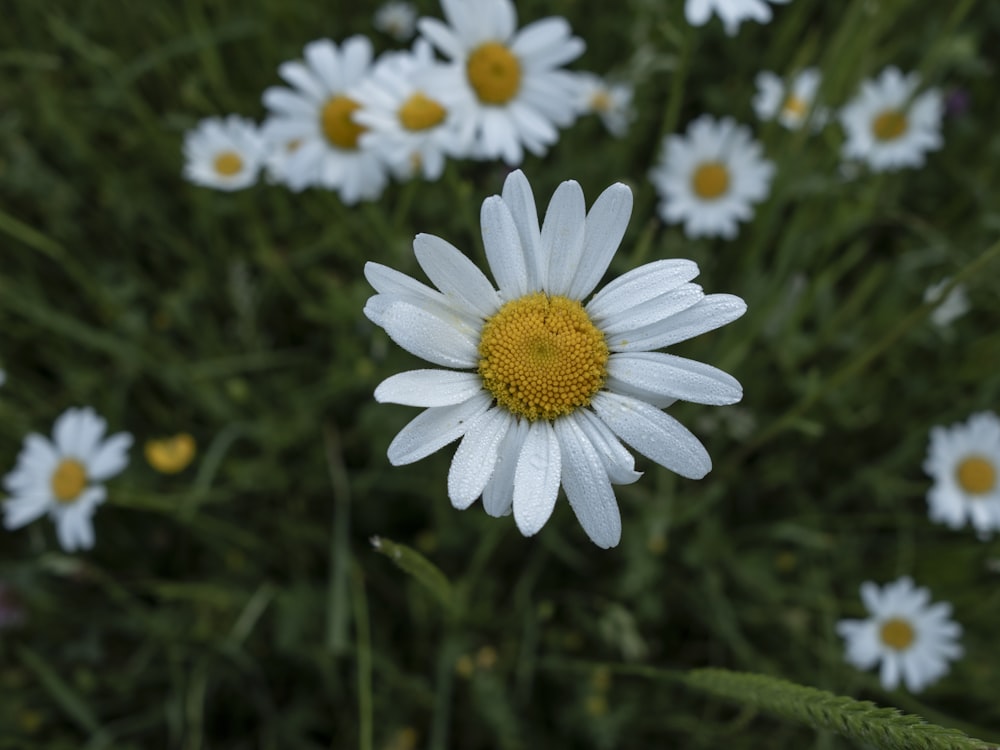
(976, 475)
(68, 480)
(794, 106)
(710, 180)
(889, 125)
(338, 126)
(542, 357)
(293, 145)
(170, 455)
(601, 101)
(419, 112)
(897, 634)
(228, 163)
(494, 72)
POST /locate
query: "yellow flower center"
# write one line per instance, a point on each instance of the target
(976, 475)
(889, 125)
(601, 101)
(897, 634)
(68, 480)
(170, 455)
(542, 357)
(419, 112)
(338, 126)
(794, 106)
(494, 72)
(228, 163)
(710, 180)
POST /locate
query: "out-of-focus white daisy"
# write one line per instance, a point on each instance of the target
(3, 376)
(63, 477)
(949, 309)
(964, 462)
(397, 19)
(732, 12)
(225, 154)
(540, 387)
(611, 101)
(407, 122)
(792, 106)
(913, 639)
(890, 128)
(314, 124)
(508, 78)
(708, 178)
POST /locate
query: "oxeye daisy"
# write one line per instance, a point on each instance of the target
(510, 78)
(612, 102)
(951, 307)
(314, 122)
(63, 477)
(225, 154)
(913, 639)
(964, 462)
(397, 19)
(732, 12)
(708, 178)
(540, 386)
(890, 128)
(408, 123)
(790, 105)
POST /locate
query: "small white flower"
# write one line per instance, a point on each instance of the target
(949, 309)
(397, 19)
(225, 154)
(709, 177)
(507, 79)
(964, 462)
(312, 126)
(912, 638)
(63, 477)
(890, 128)
(407, 120)
(612, 102)
(793, 106)
(732, 12)
(541, 388)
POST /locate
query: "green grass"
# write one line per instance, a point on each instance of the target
(240, 604)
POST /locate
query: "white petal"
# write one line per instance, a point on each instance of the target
(455, 275)
(444, 342)
(713, 311)
(890, 671)
(111, 458)
(519, 198)
(587, 486)
(562, 235)
(476, 457)
(536, 479)
(607, 221)
(618, 462)
(22, 510)
(77, 431)
(433, 429)
(429, 388)
(503, 248)
(499, 493)
(655, 434)
(74, 527)
(641, 284)
(676, 377)
(636, 322)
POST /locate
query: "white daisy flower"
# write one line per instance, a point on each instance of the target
(732, 12)
(708, 178)
(63, 477)
(912, 638)
(510, 78)
(541, 388)
(950, 308)
(964, 462)
(408, 124)
(612, 102)
(397, 19)
(225, 154)
(890, 128)
(316, 118)
(792, 106)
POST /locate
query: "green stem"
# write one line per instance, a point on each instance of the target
(340, 555)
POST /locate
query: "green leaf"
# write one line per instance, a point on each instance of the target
(427, 573)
